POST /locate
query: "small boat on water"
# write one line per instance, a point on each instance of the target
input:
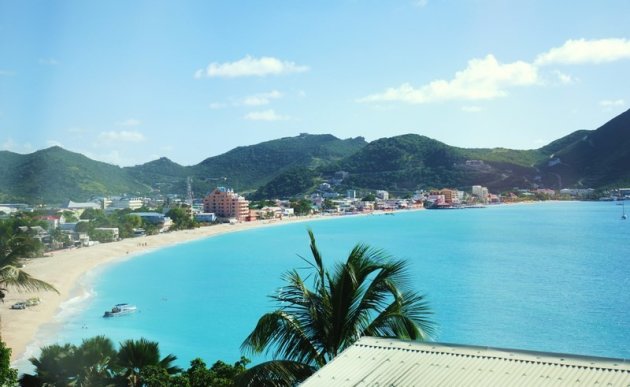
(120, 310)
(623, 212)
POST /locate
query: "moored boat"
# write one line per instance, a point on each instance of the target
(120, 310)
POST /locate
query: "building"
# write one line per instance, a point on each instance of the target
(160, 220)
(226, 204)
(383, 195)
(375, 361)
(75, 206)
(125, 202)
(579, 192)
(351, 194)
(53, 221)
(205, 217)
(113, 232)
(450, 196)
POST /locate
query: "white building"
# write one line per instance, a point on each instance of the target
(383, 195)
(124, 203)
(479, 191)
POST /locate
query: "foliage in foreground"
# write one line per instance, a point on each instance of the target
(366, 295)
(14, 246)
(136, 363)
(8, 375)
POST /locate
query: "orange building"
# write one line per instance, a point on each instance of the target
(227, 204)
(450, 195)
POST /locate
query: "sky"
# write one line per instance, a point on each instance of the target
(127, 82)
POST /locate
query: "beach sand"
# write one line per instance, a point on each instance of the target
(65, 268)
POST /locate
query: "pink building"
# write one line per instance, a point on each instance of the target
(225, 203)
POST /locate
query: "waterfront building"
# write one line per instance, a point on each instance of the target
(546, 191)
(436, 199)
(450, 195)
(155, 218)
(479, 191)
(226, 204)
(205, 217)
(351, 194)
(112, 231)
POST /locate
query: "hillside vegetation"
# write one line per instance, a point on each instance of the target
(296, 165)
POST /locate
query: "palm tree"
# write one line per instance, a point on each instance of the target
(365, 296)
(96, 363)
(136, 355)
(97, 359)
(56, 365)
(90, 364)
(13, 247)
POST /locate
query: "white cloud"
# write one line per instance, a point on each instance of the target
(262, 98)
(267, 115)
(610, 104)
(616, 102)
(483, 79)
(129, 122)
(565, 79)
(250, 66)
(48, 61)
(586, 51)
(472, 109)
(420, 3)
(121, 136)
(6, 73)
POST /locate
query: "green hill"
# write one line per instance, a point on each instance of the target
(597, 158)
(54, 175)
(249, 167)
(293, 165)
(586, 158)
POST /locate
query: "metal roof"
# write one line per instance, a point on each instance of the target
(389, 362)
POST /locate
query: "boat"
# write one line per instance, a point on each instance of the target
(623, 212)
(120, 310)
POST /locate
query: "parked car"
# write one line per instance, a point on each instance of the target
(33, 301)
(19, 305)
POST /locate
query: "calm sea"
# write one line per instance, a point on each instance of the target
(550, 277)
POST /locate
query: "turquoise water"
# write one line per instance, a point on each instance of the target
(551, 277)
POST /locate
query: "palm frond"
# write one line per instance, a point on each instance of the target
(283, 333)
(407, 317)
(275, 373)
(11, 276)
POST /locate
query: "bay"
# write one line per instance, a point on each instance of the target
(551, 276)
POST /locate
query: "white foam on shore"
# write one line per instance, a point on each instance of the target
(47, 334)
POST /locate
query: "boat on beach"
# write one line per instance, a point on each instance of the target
(120, 310)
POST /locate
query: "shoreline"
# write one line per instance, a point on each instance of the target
(68, 271)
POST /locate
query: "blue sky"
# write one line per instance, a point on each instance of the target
(127, 82)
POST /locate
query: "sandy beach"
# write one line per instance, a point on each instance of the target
(64, 269)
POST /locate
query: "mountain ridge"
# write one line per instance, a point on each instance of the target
(584, 158)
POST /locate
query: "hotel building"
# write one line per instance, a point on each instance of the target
(227, 204)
